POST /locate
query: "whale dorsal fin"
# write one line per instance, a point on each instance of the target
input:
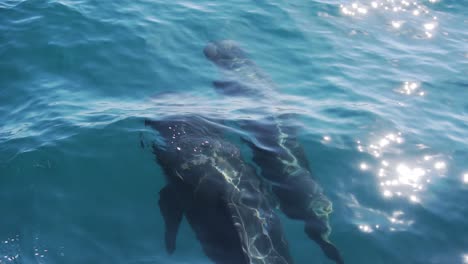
(172, 210)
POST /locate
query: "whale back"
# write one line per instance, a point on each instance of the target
(241, 76)
(221, 196)
(275, 145)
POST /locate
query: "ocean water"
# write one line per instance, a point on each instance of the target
(379, 90)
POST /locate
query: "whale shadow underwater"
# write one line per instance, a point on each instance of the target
(230, 208)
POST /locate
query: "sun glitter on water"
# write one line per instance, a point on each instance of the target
(411, 88)
(370, 220)
(403, 16)
(398, 176)
(465, 178)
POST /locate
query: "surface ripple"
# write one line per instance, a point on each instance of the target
(378, 89)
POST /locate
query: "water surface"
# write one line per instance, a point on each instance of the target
(379, 89)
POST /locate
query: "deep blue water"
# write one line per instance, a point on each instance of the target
(379, 89)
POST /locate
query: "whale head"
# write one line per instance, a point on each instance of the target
(226, 54)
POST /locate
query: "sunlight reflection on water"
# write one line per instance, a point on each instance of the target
(10, 250)
(401, 15)
(399, 176)
(410, 88)
(369, 220)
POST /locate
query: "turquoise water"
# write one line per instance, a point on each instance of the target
(379, 89)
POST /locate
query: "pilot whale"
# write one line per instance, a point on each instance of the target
(219, 194)
(274, 144)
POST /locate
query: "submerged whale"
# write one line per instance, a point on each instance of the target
(274, 144)
(219, 194)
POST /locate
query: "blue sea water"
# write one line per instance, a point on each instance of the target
(379, 89)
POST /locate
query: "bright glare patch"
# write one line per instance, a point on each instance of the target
(465, 180)
(346, 11)
(381, 172)
(416, 17)
(326, 138)
(363, 166)
(429, 26)
(409, 176)
(440, 165)
(414, 199)
(402, 177)
(387, 193)
(409, 88)
(397, 24)
(365, 228)
(384, 142)
(465, 258)
(362, 10)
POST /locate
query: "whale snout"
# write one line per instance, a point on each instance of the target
(211, 51)
(223, 53)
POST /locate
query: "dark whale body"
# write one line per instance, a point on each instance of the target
(218, 193)
(274, 144)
